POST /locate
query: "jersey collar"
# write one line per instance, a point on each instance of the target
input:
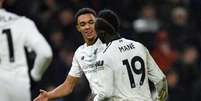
(98, 42)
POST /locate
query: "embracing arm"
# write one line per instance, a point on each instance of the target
(158, 78)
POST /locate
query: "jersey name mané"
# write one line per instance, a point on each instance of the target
(125, 67)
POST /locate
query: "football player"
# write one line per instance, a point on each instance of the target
(125, 66)
(17, 32)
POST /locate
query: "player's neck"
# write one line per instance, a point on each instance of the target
(91, 42)
(112, 38)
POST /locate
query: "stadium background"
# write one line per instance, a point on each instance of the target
(171, 29)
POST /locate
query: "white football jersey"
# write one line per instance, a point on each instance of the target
(125, 67)
(17, 32)
(84, 62)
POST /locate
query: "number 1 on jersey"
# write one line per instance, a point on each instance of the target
(10, 44)
(137, 71)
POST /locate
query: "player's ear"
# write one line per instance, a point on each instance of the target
(78, 27)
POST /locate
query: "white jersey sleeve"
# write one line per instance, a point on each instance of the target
(75, 70)
(154, 72)
(158, 78)
(35, 41)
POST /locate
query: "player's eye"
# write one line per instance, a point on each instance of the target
(91, 22)
(82, 24)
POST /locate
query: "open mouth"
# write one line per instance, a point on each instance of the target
(88, 32)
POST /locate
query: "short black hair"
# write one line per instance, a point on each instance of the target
(111, 17)
(84, 11)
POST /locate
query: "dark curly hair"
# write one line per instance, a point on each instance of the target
(84, 11)
(110, 17)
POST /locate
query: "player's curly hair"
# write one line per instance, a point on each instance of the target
(84, 11)
(110, 17)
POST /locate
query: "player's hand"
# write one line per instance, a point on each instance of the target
(43, 96)
(162, 95)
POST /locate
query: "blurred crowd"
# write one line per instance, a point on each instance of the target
(170, 29)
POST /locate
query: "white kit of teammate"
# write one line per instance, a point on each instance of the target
(126, 68)
(84, 61)
(17, 32)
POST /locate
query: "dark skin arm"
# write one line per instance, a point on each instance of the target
(62, 90)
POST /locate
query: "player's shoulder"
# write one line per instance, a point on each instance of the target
(98, 44)
(79, 49)
(135, 43)
(8, 15)
(25, 21)
(10, 18)
(7, 18)
(132, 41)
(124, 42)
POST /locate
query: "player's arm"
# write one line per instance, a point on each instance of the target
(158, 78)
(35, 41)
(65, 88)
(42, 60)
(62, 90)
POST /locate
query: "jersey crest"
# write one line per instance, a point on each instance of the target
(99, 63)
